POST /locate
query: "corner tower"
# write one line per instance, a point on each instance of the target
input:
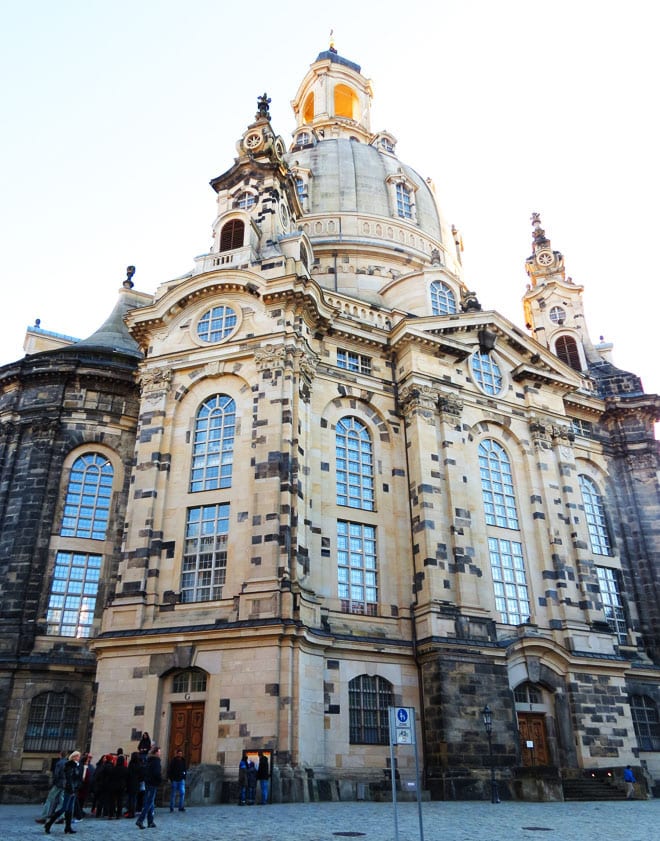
(554, 309)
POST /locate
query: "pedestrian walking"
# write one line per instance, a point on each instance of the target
(176, 774)
(629, 780)
(72, 781)
(56, 793)
(153, 777)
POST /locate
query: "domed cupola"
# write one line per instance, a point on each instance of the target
(370, 218)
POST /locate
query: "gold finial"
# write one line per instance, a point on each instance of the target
(332, 41)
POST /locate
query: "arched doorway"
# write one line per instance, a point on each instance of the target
(187, 714)
(532, 707)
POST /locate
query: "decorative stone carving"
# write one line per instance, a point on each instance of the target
(270, 358)
(450, 406)
(156, 383)
(418, 397)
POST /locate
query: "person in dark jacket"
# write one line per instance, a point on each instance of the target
(263, 776)
(144, 745)
(72, 781)
(153, 777)
(135, 778)
(176, 774)
(118, 784)
(56, 793)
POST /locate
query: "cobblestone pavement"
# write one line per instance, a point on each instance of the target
(442, 821)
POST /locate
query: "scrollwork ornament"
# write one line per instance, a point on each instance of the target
(156, 383)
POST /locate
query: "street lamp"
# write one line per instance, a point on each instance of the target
(487, 715)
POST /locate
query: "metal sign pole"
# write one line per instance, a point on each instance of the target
(418, 784)
(393, 771)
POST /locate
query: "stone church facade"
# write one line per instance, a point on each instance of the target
(313, 479)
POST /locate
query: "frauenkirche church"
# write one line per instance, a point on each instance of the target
(312, 479)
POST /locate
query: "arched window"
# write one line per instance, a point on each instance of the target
(528, 693)
(213, 444)
(308, 110)
(567, 350)
(88, 495)
(486, 373)
(443, 300)
(355, 469)
(594, 510)
(404, 206)
(232, 235)
(190, 680)
(646, 722)
(369, 698)
(52, 722)
(346, 103)
(497, 485)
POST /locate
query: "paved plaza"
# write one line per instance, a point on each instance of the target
(442, 821)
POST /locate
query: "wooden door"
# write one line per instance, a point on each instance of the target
(187, 731)
(533, 739)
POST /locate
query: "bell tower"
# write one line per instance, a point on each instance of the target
(553, 305)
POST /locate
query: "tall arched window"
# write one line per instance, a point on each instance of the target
(507, 563)
(497, 485)
(213, 444)
(567, 350)
(646, 722)
(52, 722)
(355, 470)
(232, 235)
(88, 495)
(594, 510)
(369, 698)
(443, 300)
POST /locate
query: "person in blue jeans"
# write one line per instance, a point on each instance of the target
(263, 776)
(176, 774)
(153, 777)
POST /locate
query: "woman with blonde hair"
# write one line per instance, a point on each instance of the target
(72, 782)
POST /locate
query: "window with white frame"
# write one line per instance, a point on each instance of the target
(88, 497)
(357, 568)
(369, 700)
(404, 202)
(443, 300)
(508, 570)
(246, 200)
(190, 680)
(610, 593)
(355, 467)
(353, 361)
(497, 485)
(73, 593)
(213, 444)
(217, 324)
(594, 510)
(487, 373)
(205, 553)
(53, 721)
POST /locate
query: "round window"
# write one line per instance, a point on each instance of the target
(558, 315)
(216, 324)
(487, 373)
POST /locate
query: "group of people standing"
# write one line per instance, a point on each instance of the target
(249, 775)
(114, 788)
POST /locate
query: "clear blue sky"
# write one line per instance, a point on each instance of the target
(117, 114)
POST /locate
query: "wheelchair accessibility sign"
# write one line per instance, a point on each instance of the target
(402, 725)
